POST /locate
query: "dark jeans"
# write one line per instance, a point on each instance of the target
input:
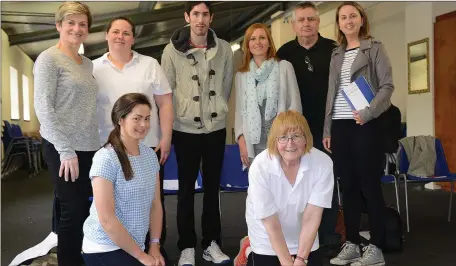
(315, 259)
(162, 196)
(190, 150)
(113, 258)
(72, 204)
(357, 156)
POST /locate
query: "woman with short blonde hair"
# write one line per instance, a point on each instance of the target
(65, 105)
(265, 86)
(289, 185)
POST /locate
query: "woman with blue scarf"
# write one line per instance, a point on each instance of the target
(265, 87)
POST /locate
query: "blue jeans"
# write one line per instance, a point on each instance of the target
(113, 258)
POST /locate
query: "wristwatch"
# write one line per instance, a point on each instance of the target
(302, 259)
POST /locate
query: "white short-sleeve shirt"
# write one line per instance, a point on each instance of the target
(143, 74)
(270, 192)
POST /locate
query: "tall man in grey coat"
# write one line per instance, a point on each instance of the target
(199, 68)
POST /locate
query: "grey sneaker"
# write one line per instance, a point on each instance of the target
(372, 256)
(349, 253)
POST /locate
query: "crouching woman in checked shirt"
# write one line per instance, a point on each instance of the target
(289, 185)
(126, 192)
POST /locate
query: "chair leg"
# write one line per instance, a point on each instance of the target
(406, 204)
(451, 201)
(338, 192)
(396, 185)
(220, 211)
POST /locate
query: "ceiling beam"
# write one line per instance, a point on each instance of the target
(144, 7)
(141, 18)
(27, 23)
(239, 30)
(98, 25)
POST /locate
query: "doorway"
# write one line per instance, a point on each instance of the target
(445, 86)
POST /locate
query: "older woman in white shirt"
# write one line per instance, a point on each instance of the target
(290, 184)
(265, 86)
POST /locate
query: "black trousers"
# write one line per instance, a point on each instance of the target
(327, 231)
(112, 258)
(315, 259)
(357, 156)
(192, 150)
(72, 206)
(162, 197)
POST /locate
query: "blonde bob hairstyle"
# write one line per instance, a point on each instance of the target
(285, 122)
(72, 8)
(245, 65)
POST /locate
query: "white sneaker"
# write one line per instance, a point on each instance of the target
(349, 253)
(187, 257)
(214, 254)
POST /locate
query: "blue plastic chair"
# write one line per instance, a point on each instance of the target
(441, 174)
(170, 184)
(233, 178)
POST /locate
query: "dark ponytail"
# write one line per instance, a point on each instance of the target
(122, 107)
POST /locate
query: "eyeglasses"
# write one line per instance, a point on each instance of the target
(295, 139)
(309, 65)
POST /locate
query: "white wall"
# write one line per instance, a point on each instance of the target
(282, 32)
(420, 107)
(327, 24)
(15, 57)
(387, 24)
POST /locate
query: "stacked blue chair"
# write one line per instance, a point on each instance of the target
(17, 145)
(441, 174)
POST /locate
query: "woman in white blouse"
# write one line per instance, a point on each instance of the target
(265, 86)
(289, 185)
(122, 70)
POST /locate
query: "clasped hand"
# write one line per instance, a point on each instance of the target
(153, 258)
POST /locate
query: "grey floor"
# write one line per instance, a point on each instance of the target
(27, 205)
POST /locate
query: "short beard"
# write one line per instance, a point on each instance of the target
(198, 34)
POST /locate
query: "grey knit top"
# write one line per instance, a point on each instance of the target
(65, 102)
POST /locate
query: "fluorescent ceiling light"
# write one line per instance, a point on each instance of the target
(235, 47)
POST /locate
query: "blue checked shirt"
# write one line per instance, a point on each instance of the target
(133, 199)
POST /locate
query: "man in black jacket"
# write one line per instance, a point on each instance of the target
(310, 55)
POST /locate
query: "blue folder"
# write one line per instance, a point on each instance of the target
(365, 89)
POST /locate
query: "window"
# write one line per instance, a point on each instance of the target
(14, 91)
(25, 97)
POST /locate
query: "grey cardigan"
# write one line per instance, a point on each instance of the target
(289, 99)
(373, 63)
(200, 100)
